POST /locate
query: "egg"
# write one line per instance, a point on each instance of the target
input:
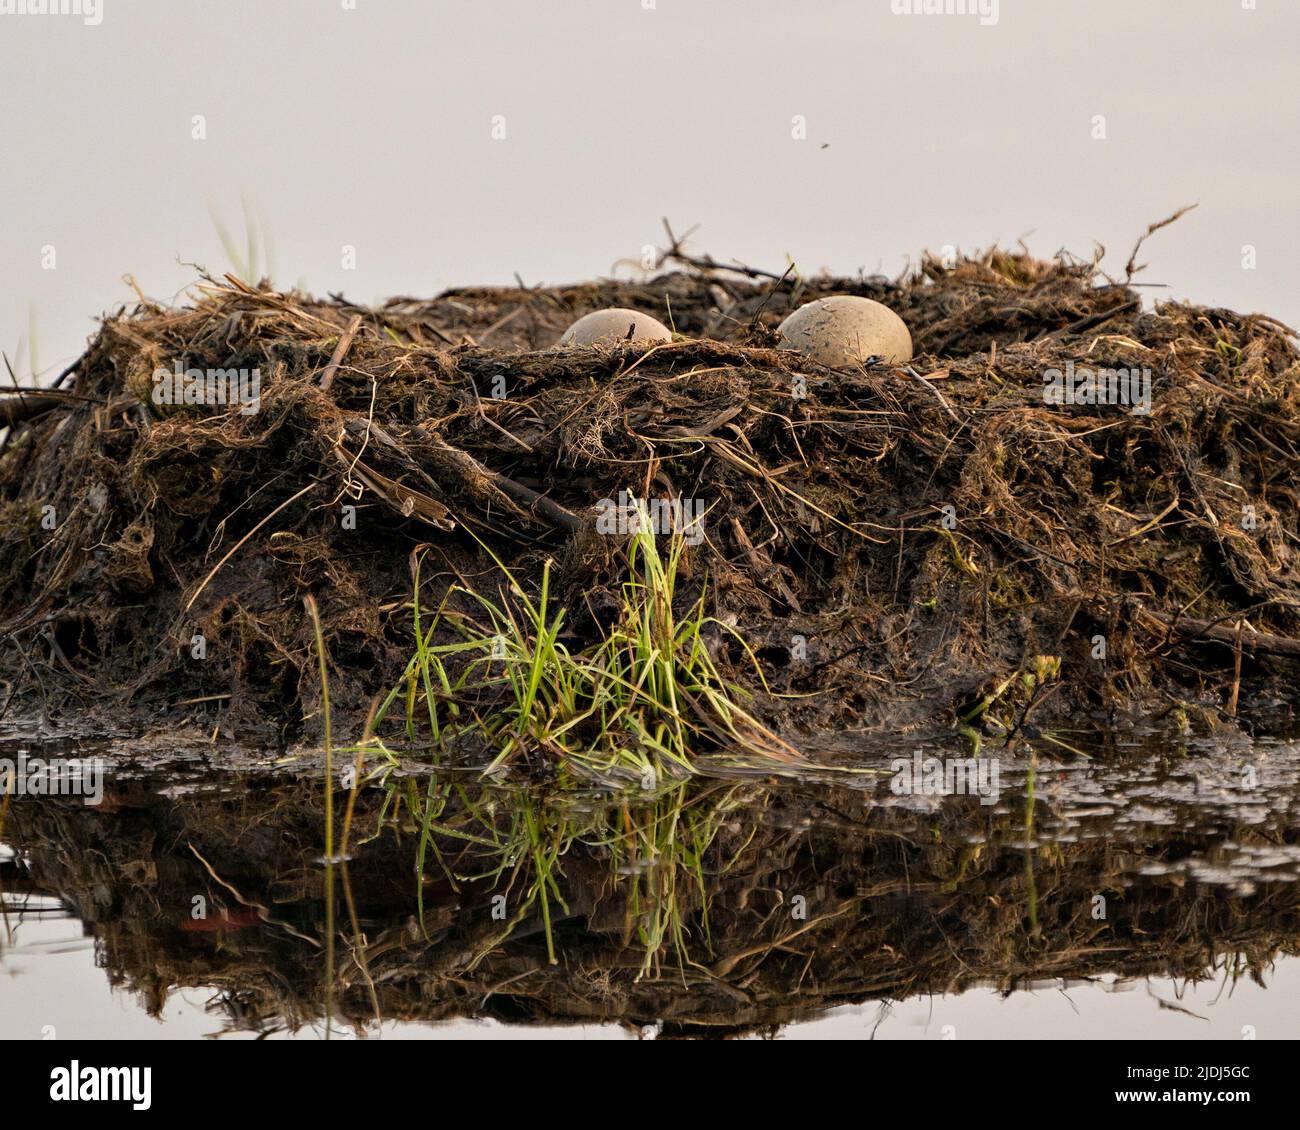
(842, 331)
(607, 327)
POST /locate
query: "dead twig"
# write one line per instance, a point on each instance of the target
(472, 469)
(1131, 268)
(340, 351)
(1251, 643)
(707, 263)
(17, 409)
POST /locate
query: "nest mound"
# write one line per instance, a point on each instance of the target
(898, 540)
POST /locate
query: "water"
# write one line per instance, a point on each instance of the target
(1148, 891)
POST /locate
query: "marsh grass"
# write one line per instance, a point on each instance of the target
(513, 842)
(255, 259)
(646, 704)
(614, 743)
(313, 614)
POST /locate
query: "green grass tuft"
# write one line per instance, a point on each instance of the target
(643, 705)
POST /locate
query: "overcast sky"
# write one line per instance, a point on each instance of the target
(370, 124)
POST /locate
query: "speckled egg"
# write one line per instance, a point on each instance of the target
(842, 331)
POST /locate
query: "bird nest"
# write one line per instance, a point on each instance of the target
(894, 546)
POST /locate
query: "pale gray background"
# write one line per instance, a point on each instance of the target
(48, 976)
(372, 127)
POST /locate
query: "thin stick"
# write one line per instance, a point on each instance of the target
(340, 351)
(1254, 643)
(933, 392)
(707, 262)
(1236, 670)
(16, 409)
(235, 548)
(557, 515)
(1131, 268)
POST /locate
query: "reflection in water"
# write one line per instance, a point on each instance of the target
(715, 906)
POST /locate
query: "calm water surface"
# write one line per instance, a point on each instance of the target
(1148, 892)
